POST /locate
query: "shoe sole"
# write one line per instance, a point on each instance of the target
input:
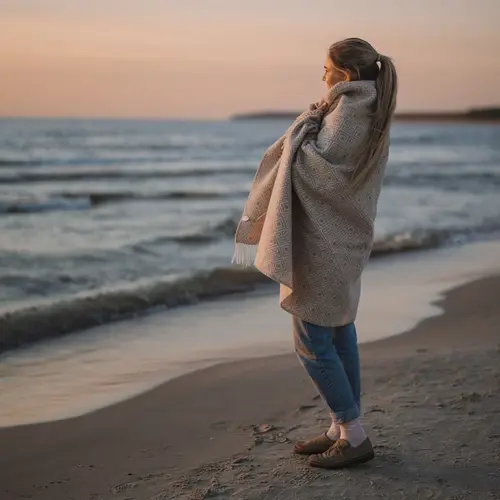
(344, 465)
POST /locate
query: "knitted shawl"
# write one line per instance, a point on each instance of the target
(303, 225)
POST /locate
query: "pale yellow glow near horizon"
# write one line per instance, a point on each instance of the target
(160, 60)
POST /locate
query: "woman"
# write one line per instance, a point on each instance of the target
(309, 223)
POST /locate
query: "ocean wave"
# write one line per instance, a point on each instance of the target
(36, 323)
(400, 242)
(448, 181)
(426, 239)
(84, 200)
(101, 198)
(406, 241)
(34, 177)
(393, 243)
(49, 205)
(416, 140)
(89, 161)
(223, 230)
(18, 163)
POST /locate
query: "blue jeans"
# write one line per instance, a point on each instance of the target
(330, 357)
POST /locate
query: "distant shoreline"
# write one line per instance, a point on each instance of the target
(472, 115)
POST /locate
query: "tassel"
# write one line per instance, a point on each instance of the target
(244, 254)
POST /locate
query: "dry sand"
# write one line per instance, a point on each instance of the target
(431, 407)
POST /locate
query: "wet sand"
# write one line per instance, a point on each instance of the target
(431, 406)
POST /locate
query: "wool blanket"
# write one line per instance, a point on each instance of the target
(304, 225)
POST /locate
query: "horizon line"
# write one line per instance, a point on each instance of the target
(456, 112)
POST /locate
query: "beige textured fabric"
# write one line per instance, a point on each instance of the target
(312, 233)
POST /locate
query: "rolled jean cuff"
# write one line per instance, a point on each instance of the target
(341, 417)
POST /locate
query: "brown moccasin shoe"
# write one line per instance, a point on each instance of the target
(318, 444)
(341, 454)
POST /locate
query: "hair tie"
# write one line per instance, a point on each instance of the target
(378, 58)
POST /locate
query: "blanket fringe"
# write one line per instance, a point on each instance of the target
(244, 254)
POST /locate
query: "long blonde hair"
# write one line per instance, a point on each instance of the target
(358, 60)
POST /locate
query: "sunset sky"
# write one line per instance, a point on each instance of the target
(211, 58)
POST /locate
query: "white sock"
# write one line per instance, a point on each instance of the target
(333, 432)
(353, 432)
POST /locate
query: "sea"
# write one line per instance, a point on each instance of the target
(102, 220)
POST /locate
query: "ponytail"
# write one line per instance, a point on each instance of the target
(387, 88)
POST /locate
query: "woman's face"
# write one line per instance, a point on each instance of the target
(332, 75)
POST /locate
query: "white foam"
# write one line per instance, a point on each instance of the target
(76, 374)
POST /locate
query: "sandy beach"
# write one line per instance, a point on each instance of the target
(431, 406)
